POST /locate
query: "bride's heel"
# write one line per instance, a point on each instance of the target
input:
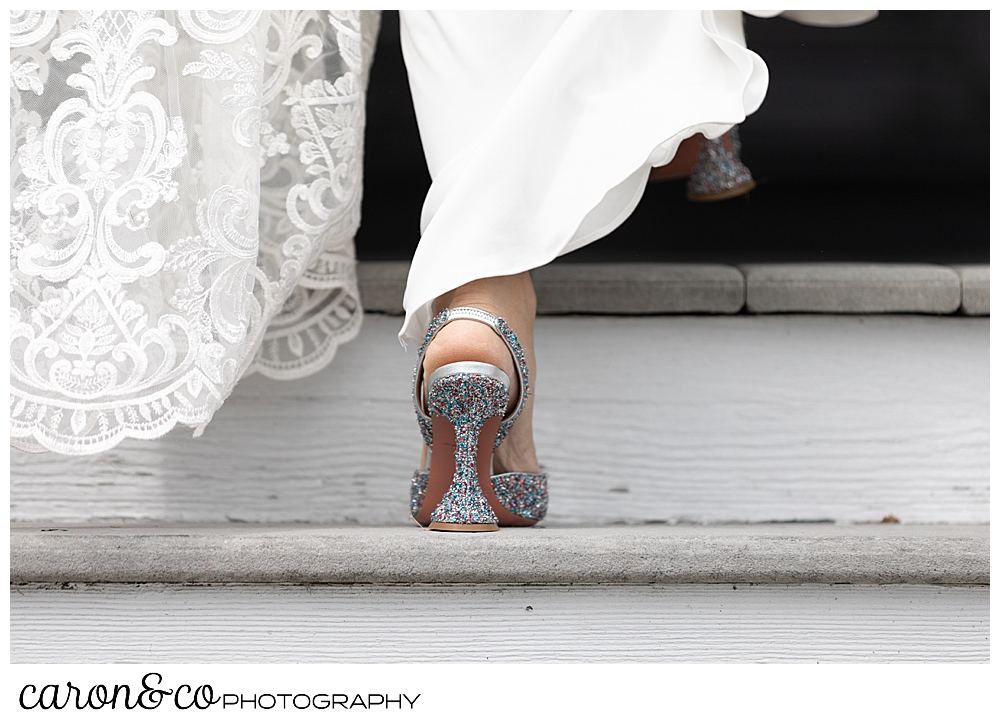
(462, 424)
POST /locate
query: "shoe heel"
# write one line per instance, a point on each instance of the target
(719, 173)
(466, 410)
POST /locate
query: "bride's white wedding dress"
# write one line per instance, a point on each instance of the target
(185, 188)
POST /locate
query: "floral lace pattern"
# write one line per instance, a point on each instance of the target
(185, 189)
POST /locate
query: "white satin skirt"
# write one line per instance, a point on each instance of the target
(540, 127)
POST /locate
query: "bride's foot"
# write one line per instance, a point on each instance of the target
(472, 391)
(513, 299)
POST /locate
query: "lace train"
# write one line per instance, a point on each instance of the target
(185, 189)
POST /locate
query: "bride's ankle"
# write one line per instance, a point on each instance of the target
(517, 453)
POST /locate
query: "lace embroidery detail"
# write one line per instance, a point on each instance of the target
(103, 162)
(157, 256)
(24, 76)
(319, 213)
(244, 72)
(218, 26)
(27, 27)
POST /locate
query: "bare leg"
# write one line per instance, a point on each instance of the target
(513, 298)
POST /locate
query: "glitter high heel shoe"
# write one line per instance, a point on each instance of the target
(464, 416)
(719, 173)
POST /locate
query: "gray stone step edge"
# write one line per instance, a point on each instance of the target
(656, 288)
(300, 554)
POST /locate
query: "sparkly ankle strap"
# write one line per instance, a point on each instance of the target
(498, 325)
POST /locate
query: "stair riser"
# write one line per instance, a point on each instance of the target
(378, 624)
(698, 419)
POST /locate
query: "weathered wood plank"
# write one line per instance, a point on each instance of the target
(700, 419)
(384, 624)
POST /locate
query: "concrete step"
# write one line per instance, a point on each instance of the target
(763, 554)
(858, 288)
(669, 419)
(656, 288)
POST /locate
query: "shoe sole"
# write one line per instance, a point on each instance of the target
(464, 527)
(723, 195)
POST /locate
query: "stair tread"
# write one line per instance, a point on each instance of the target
(235, 553)
(669, 288)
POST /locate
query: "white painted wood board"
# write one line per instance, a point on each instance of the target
(383, 624)
(638, 419)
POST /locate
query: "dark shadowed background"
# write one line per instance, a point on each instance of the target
(872, 145)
